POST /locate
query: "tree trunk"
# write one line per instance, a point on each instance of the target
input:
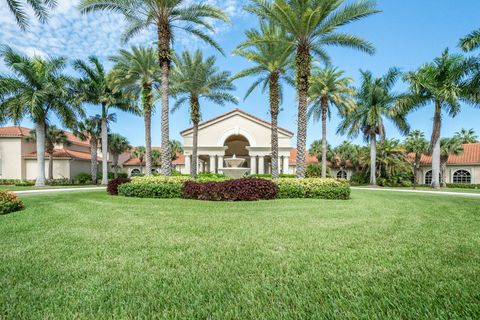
(40, 136)
(443, 167)
(164, 57)
(104, 148)
(93, 161)
(50, 166)
(115, 165)
(302, 62)
(324, 136)
(373, 159)
(274, 110)
(147, 110)
(416, 166)
(435, 146)
(195, 115)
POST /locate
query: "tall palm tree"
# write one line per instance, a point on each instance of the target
(471, 41)
(53, 136)
(137, 71)
(466, 136)
(175, 149)
(139, 153)
(448, 147)
(194, 79)
(117, 144)
(93, 87)
(418, 145)
(90, 129)
(329, 87)
(165, 16)
(39, 7)
(443, 84)
(375, 102)
(312, 25)
(272, 59)
(36, 89)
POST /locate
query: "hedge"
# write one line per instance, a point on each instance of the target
(112, 187)
(9, 203)
(151, 190)
(313, 188)
(246, 189)
(463, 185)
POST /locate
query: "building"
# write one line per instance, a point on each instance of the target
(18, 157)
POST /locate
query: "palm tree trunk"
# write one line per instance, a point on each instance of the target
(50, 166)
(373, 159)
(115, 165)
(195, 115)
(93, 161)
(274, 109)
(324, 136)
(104, 147)
(416, 166)
(302, 62)
(435, 146)
(147, 109)
(40, 137)
(443, 167)
(164, 57)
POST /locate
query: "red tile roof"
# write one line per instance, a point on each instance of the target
(136, 162)
(65, 153)
(471, 155)
(292, 160)
(17, 131)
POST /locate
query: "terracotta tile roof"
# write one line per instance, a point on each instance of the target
(292, 160)
(234, 111)
(17, 131)
(136, 162)
(65, 153)
(471, 155)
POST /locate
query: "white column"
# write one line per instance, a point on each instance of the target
(253, 165)
(188, 163)
(285, 165)
(261, 165)
(212, 164)
(220, 164)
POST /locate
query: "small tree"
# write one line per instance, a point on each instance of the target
(466, 136)
(117, 144)
(139, 153)
(448, 147)
(418, 145)
(89, 129)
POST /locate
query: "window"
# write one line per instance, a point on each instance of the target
(428, 177)
(135, 172)
(342, 174)
(462, 176)
(154, 171)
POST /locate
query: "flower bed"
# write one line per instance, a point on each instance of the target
(9, 202)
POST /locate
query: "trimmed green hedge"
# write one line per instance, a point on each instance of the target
(463, 185)
(313, 188)
(151, 190)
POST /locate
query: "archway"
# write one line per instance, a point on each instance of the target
(237, 145)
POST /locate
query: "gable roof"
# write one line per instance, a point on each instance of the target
(234, 112)
(17, 131)
(136, 162)
(470, 155)
(66, 154)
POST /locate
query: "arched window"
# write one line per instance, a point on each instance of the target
(462, 176)
(154, 170)
(135, 172)
(342, 174)
(428, 177)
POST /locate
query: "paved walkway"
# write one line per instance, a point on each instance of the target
(446, 193)
(34, 191)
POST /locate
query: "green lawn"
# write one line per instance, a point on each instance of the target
(380, 255)
(23, 188)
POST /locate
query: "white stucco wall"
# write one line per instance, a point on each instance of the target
(61, 168)
(11, 158)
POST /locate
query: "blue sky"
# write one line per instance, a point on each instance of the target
(406, 34)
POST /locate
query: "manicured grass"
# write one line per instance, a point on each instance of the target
(22, 188)
(381, 255)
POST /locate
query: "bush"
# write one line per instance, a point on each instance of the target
(314, 170)
(59, 182)
(9, 182)
(150, 190)
(359, 179)
(24, 183)
(246, 189)
(463, 185)
(112, 187)
(399, 180)
(160, 180)
(313, 188)
(83, 178)
(269, 176)
(9, 203)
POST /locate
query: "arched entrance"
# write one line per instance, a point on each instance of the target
(237, 145)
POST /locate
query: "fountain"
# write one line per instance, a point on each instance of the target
(233, 169)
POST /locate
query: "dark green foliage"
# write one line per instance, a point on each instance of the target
(150, 190)
(9, 182)
(269, 176)
(463, 185)
(9, 203)
(313, 188)
(403, 179)
(358, 179)
(59, 182)
(314, 170)
(112, 187)
(24, 183)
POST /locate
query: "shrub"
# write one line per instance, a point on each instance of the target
(160, 180)
(150, 190)
(399, 180)
(246, 189)
(463, 185)
(314, 170)
(59, 182)
(313, 188)
(8, 182)
(9, 203)
(112, 187)
(358, 179)
(24, 183)
(83, 178)
(269, 176)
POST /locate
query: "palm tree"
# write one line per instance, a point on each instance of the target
(39, 7)
(138, 71)
(442, 83)
(117, 144)
(471, 41)
(53, 136)
(89, 129)
(312, 25)
(165, 16)
(156, 157)
(418, 145)
(329, 87)
(466, 136)
(175, 149)
(93, 87)
(139, 153)
(272, 60)
(36, 90)
(448, 147)
(193, 79)
(375, 103)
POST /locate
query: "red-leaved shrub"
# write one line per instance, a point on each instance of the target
(247, 189)
(112, 186)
